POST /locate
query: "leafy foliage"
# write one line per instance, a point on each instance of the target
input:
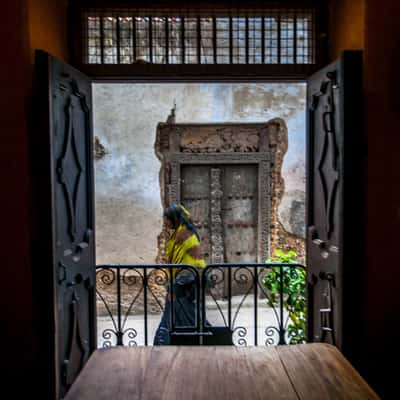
(294, 292)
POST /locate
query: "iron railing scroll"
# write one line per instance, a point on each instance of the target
(232, 305)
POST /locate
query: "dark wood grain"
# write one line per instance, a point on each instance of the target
(320, 371)
(312, 371)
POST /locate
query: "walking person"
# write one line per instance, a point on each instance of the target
(183, 247)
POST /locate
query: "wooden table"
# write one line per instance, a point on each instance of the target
(307, 371)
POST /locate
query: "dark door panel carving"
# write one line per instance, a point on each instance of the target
(76, 323)
(325, 193)
(71, 216)
(334, 199)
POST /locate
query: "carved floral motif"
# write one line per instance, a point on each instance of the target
(217, 243)
(222, 140)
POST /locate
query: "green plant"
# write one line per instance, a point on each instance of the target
(294, 292)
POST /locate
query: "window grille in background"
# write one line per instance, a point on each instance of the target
(274, 36)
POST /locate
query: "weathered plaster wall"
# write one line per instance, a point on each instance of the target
(128, 203)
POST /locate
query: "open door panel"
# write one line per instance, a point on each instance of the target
(65, 253)
(335, 157)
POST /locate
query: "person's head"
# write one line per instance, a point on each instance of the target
(176, 214)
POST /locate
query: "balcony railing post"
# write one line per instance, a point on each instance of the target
(145, 282)
(281, 327)
(119, 332)
(230, 296)
(203, 279)
(198, 309)
(255, 305)
(172, 299)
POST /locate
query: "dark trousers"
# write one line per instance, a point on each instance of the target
(184, 313)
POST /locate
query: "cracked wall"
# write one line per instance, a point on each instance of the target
(128, 202)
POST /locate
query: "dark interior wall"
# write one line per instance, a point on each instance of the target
(382, 124)
(346, 26)
(47, 22)
(26, 25)
(14, 177)
(372, 25)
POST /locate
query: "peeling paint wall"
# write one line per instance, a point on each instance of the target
(128, 203)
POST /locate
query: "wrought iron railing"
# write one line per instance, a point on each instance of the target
(231, 304)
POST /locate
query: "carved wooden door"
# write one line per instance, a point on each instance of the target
(240, 213)
(334, 201)
(195, 194)
(223, 200)
(70, 185)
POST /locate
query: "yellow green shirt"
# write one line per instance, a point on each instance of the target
(184, 248)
